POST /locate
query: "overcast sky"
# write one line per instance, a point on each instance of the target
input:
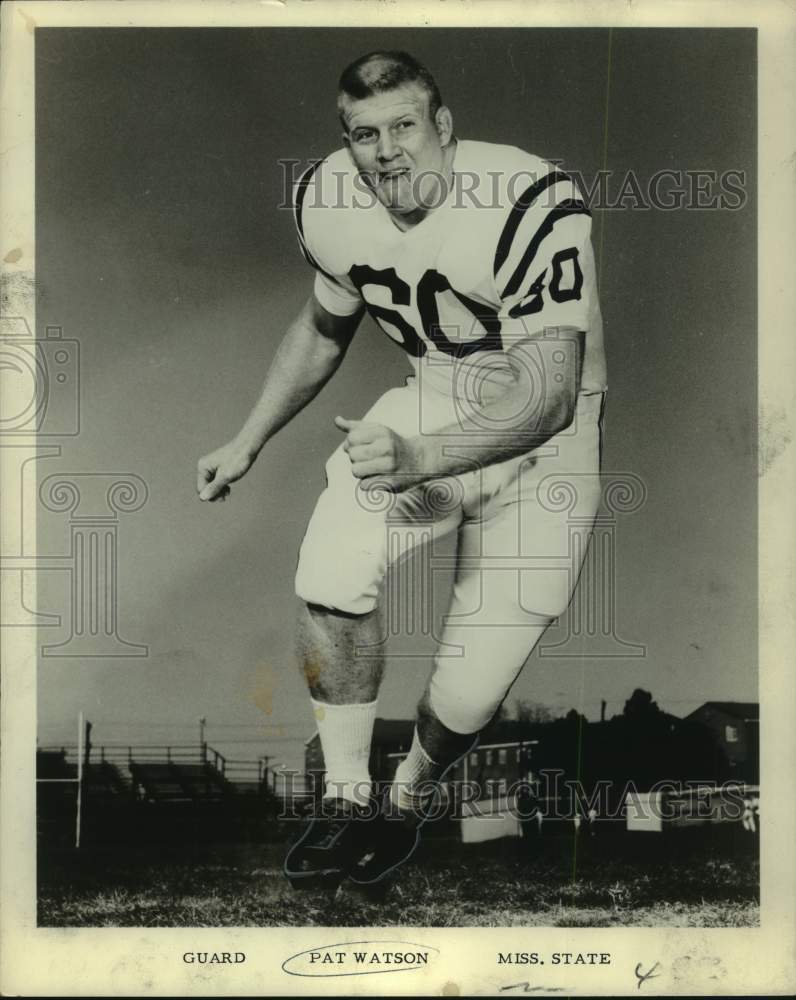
(162, 250)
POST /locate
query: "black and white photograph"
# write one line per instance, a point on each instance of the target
(385, 436)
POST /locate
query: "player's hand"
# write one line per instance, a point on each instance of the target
(225, 465)
(378, 453)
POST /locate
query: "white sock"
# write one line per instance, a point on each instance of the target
(346, 732)
(415, 780)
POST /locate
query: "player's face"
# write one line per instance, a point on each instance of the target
(398, 149)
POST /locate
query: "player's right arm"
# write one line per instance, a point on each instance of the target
(308, 356)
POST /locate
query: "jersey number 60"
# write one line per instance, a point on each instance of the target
(432, 284)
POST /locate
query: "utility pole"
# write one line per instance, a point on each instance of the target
(202, 744)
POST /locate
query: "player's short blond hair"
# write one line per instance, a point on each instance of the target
(383, 70)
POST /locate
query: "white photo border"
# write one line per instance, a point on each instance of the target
(148, 961)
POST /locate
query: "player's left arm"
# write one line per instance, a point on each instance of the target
(528, 412)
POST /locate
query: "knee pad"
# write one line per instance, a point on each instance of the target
(343, 581)
(461, 710)
(466, 691)
(339, 591)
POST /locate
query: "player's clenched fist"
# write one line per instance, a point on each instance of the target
(225, 465)
(376, 451)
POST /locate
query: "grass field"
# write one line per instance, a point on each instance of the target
(646, 881)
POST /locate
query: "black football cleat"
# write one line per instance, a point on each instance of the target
(390, 841)
(328, 847)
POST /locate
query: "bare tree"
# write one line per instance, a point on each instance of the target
(532, 711)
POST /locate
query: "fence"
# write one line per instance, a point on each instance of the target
(121, 754)
(117, 773)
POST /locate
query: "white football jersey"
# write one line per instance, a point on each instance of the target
(507, 254)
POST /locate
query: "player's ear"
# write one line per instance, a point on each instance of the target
(444, 123)
(342, 119)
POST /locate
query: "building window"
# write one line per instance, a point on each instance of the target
(731, 734)
(474, 759)
(502, 756)
(488, 757)
(495, 787)
(519, 753)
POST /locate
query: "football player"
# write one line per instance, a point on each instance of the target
(476, 260)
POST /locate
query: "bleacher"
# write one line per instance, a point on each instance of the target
(179, 782)
(146, 773)
(158, 783)
(105, 778)
(146, 793)
(52, 765)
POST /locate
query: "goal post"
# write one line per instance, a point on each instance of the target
(82, 733)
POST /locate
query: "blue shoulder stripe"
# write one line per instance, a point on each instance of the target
(300, 194)
(298, 207)
(518, 210)
(572, 206)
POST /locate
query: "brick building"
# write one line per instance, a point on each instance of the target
(503, 755)
(736, 729)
